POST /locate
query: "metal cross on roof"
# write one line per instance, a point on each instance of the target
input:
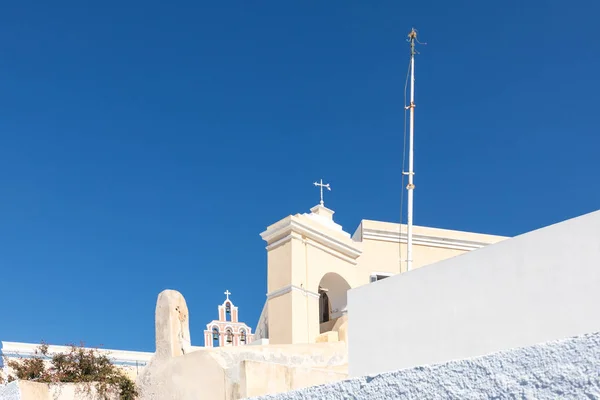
(322, 185)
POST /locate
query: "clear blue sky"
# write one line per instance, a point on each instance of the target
(145, 146)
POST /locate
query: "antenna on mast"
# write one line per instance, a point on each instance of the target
(412, 38)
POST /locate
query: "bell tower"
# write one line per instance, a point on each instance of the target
(227, 330)
(303, 251)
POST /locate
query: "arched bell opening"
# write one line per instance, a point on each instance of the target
(333, 299)
(228, 311)
(215, 336)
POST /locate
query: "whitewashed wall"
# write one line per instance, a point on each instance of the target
(10, 391)
(540, 286)
(26, 390)
(566, 369)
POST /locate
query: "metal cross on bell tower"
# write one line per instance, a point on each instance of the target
(322, 185)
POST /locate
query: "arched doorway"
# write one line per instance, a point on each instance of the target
(324, 306)
(333, 299)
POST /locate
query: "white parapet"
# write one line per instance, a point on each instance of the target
(536, 287)
(565, 369)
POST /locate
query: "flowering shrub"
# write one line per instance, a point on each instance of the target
(78, 365)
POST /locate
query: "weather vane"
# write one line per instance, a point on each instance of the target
(322, 185)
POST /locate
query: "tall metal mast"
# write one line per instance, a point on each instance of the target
(412, 36)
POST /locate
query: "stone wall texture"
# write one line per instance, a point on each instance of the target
(564, 369)
(10, 391)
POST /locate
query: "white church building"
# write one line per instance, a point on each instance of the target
(312, 263)
(510, 292)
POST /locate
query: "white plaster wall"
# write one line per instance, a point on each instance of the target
(217, 373)
(566, 369)
(536, 287)
(28, 390)
(10, 391)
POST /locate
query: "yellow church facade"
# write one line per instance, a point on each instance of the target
(313, 262)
